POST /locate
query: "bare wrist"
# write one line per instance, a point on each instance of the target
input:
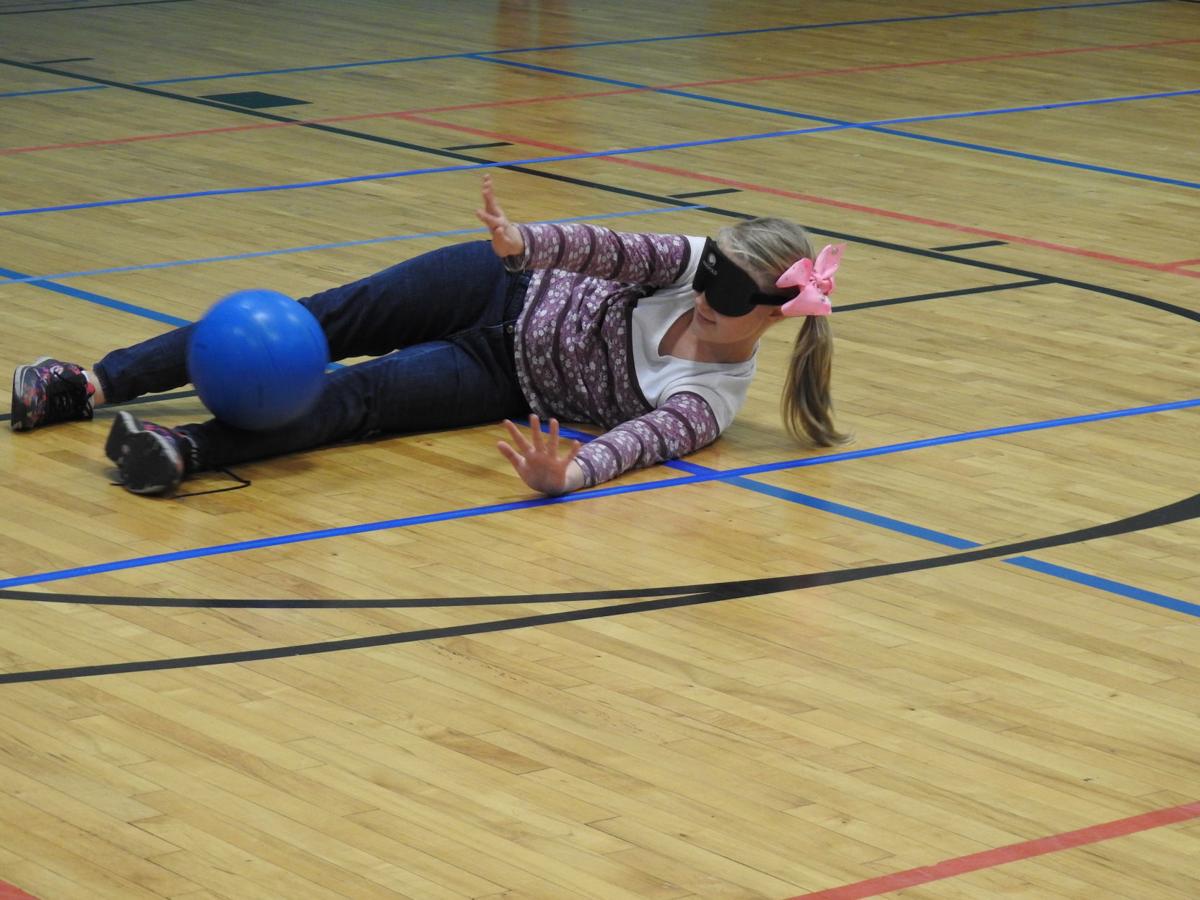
(575, 477)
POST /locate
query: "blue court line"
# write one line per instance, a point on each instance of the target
(833, 123)
(58, 276)
(1073, 575)
(67, 90)
(1037, 157)
(888, 449)
(849, 512)
(879, 125)
(1106, 584)
(964, 436)
(1181, 605)
(831, 126)
(587, 44)
(949, 540)
(354, 179)
(694, 477)
(99, 299)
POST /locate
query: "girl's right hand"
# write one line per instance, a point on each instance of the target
(536, 458)
(506, 237)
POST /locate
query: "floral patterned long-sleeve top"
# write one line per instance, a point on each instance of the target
(573, 348)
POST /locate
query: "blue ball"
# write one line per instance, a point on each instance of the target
(258, 359)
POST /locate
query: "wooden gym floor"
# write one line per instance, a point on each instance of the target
(957, 658)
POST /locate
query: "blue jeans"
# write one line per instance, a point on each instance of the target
(441, 325)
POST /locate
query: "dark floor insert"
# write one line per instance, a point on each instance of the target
(254, 100)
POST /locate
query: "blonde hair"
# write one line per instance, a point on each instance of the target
(767, 248)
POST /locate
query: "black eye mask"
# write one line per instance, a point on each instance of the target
(727, 287)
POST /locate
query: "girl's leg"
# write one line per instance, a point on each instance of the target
(432, 296)
(466, 379)
(427, 298)
(154, 365)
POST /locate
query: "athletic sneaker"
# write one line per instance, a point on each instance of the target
(49, 391)
(149, 456)
(124, 425)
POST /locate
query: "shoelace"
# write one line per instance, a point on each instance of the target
(242, 483)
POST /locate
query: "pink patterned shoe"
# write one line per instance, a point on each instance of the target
(149, 456)
(49, 391)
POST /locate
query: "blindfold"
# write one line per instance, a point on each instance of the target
(732, 292)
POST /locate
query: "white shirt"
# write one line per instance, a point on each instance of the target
(722, 385)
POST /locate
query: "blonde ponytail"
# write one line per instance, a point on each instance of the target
(766, 248)
(806, 404)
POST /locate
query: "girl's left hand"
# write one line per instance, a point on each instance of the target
(506, 237)
(536, 458)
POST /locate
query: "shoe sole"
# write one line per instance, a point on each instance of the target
(123, 426)
(19, 409)
(147, 464)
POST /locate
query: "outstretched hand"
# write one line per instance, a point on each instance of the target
(506, 237)
(536, 458)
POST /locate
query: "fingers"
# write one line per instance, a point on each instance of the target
(489, 198)
(493, 222)
(527, 447)
(536, 459)
(493, 225)
(535, 433)
(550, 445)
(515, 459)
(522, 445)
(506, 239)
(488, 215)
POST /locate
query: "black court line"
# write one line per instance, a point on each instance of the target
(347, 132)
(241, 110)
(21, 12)
(1186, 509)
(138, 401)
(46, 62)
(691, 194)
(255, 99)
(608, 188)
(975, 246)
(664, 598)
(849, 307)
(479, 146)
(963, 292)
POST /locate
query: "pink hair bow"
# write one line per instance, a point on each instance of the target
(815, 281)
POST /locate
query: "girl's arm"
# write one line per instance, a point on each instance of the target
(681, 425)
(655, 260)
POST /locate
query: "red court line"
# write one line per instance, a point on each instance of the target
(961, 865)
(588, 95)
(12, 892)
(415, 116)
(812, 198)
